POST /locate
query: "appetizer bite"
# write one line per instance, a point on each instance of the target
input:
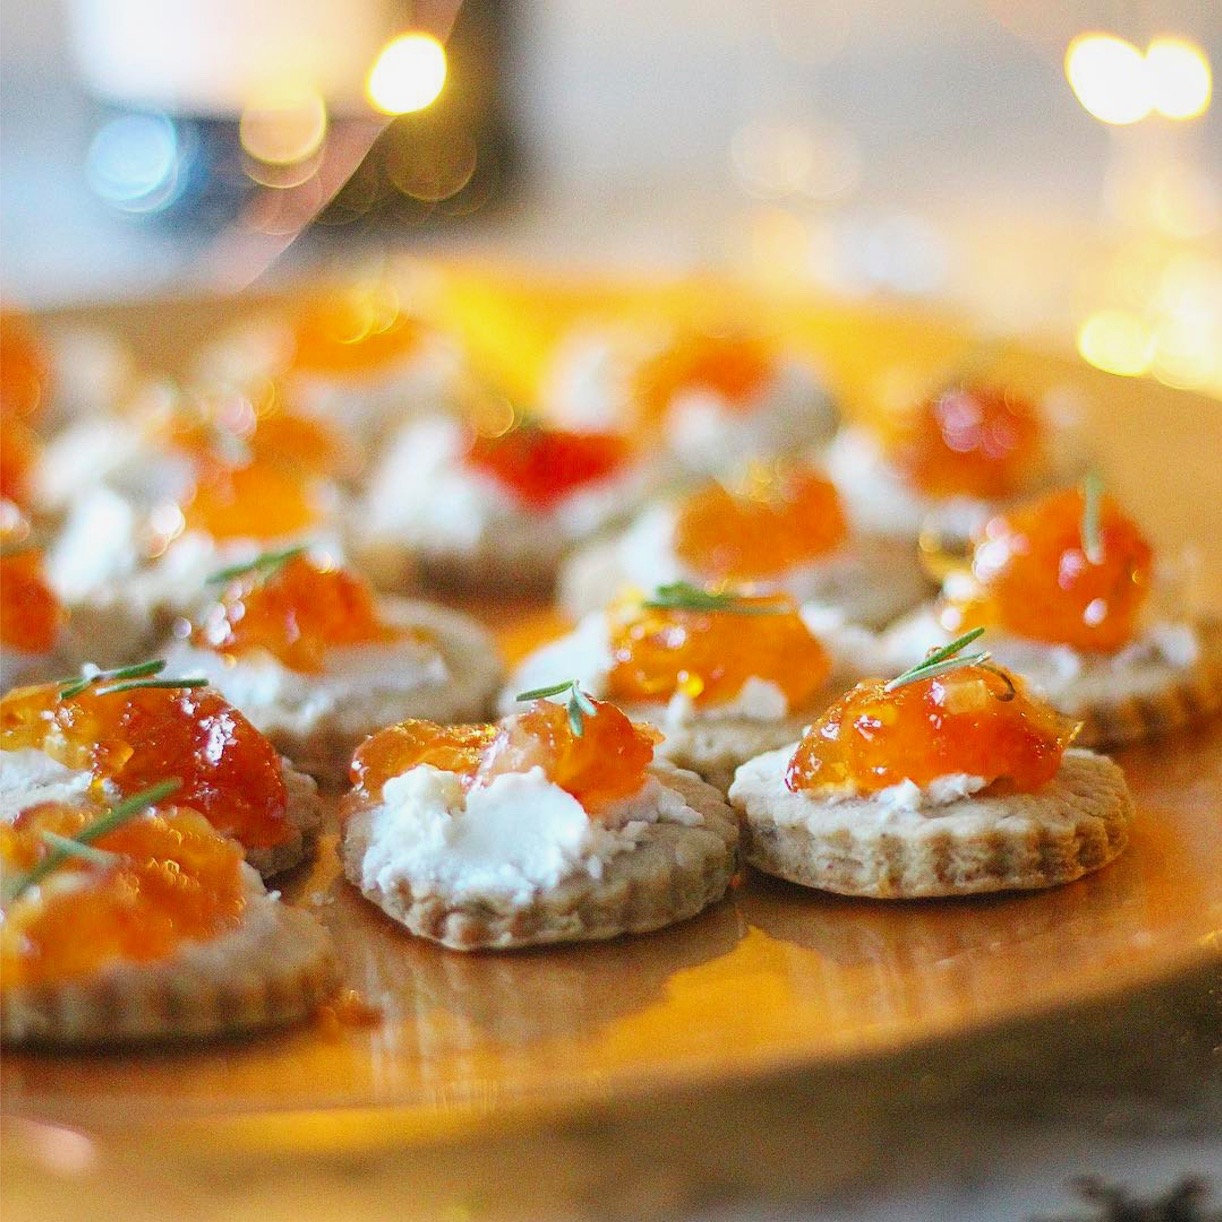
(112, 733)
(32, 643)
(1063, 585)
(947, 780)
(490, 512)
(944, 465)
(357, 355)
(782, 528)
(708, 395)
(307, 652)
(142, 922)
(553, 825)
(723, 675)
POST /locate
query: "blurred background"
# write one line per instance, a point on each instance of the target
(1053, 169)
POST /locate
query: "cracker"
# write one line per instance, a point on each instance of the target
(276, 969)
(1075, 824)
(324, 748)
(674, 872)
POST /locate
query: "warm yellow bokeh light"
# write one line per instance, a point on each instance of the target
(1116, 341)
(1181, 83)
(408, 75)
(1109, 77)
(284, 128)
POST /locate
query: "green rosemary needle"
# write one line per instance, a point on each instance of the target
(941, 661)
(265, 564)
(682, 596)
(1092, 538)
(125, 811)
(579, 705)
(126, 679)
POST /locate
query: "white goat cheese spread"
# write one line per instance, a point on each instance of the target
(1067, 678)
(29, 777)
(514, 837)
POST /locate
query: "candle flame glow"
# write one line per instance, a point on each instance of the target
(408, 75)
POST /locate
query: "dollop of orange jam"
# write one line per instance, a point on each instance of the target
(19, 451)
(359, 328)
(540, 466)
(259, 501)
(297, 613)
(735, 367)
(977, 441)
(173, 880)
(976, 720)
(605, 762)
(710, 655)
(30, 613)
(780, 519)
(228, 771)
(1031, 576)
(24, 369)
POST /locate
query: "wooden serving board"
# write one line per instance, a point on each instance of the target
(772, 977)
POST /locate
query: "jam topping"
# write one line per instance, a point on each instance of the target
(229, 430)
(603, 763)
(296, 612)
(229, 772)
(259, 501)
(19, 451)
(781, 518)
(976, 720)
(30, 612)
(360, 328)
(540, 465)
(24, 370)
(971, 440)
(168, 878)
(706, 646)
(734, 367)
(1035, 575)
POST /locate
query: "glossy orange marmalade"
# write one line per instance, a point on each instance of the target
(709, 655)
(975, 720)
(1031, 576)
(606, 762)
(541, 466)
(213, 430)
(229, 771)
(261, 500)
(297, 613)
(173, 879)
(734, 367)
(361, 328)
(976, 441)
(780, 519)
(30, 614)
(24, 370)
(19, 451)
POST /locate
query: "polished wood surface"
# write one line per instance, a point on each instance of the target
(772, 977)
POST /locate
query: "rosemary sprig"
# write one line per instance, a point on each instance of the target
(265, 564)
(682, 596)
(74, 687)
(579, 705)
(75, 848)
(126, 679)
(941, 661)
(1092, 538)
(125, 811)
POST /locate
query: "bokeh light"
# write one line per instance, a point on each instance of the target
(1117, 341)
(1181, 82)
(284, 129)
(1109, 77)
(135, 163)
(408, 75)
